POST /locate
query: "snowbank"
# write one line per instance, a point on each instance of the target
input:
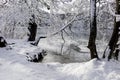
(14, 66)
(92, 70)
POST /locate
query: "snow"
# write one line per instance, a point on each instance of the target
(70, 63)
(14, 66)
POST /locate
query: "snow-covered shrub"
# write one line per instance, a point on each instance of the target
(36, 57)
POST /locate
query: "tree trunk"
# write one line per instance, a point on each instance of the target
(93, 30)
(113, 46)
(32, 29)
(3, 42)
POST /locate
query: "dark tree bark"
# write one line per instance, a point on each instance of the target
(32, 29)
(113, 41)
(37, 41)
(3, 42)
(93, 31)
(113, 46)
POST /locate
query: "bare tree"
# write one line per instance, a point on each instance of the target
(93, 30)
(112, 45)
(32, 29)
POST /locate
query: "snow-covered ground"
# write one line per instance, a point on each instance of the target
(14, 66)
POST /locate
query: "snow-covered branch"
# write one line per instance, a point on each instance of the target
(111, 10)
(63, 27)
(4, 2)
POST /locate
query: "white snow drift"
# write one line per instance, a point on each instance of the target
(14, 66)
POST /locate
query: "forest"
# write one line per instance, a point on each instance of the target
(59, 39)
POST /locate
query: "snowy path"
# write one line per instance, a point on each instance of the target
(14, 66)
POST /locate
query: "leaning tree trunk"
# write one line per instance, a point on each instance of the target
(93, 30)
(32, 29)
(113, 46)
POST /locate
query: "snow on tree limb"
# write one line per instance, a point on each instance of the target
(54, 33)
(1, 5)
(63, 27)
(112, 12)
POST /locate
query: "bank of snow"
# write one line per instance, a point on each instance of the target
(14, 66)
